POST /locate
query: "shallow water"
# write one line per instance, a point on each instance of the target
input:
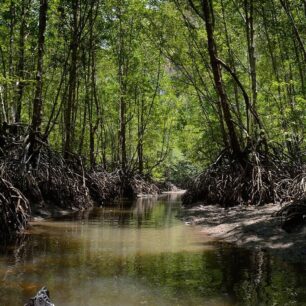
(141, 254)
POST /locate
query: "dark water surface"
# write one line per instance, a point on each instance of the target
(141, 255)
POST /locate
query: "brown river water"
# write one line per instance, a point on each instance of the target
(140, 253)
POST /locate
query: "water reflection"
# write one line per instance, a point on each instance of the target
(141, 254)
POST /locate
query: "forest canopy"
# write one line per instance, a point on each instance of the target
(157, 87)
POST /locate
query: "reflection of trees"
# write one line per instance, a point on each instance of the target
(156, 212)
(256, 278)
(173, 197)
(14, 256)
(159, 210)
(142, 209)
(71, 259)
(181, 276)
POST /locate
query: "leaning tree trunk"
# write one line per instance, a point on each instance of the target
(216, 69)
(286, 7)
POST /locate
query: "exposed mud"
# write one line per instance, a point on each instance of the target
(250, 227)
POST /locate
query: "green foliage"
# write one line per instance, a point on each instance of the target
(172, 109)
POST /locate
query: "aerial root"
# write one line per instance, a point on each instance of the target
(53, 182)
(292, 216)
(15, 210)
(262, 179)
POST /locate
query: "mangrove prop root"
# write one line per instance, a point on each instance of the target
(293, 215)
(142, 185)
(53, 181)
(103, 186)
(263, 179)
(15, 210)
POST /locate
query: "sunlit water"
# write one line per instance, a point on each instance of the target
(141, 255)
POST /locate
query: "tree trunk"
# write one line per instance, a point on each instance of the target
(122, 99)
(249, 13)
(216, 69)
(20, 66)
(140, 135)
(32, 156)
(70, 103)
(37, 104)
(8, 92)
(94, 97)
(3, 94)
(232, 65)
(296, 32)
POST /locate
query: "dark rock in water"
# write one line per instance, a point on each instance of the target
(42, 298)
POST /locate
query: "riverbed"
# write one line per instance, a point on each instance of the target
(141, 253)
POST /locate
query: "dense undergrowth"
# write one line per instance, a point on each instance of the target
(264, 177)
(54, 183)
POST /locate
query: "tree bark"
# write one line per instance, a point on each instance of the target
(122, 98)
(37, 103)
(250, 32)
(286, 8)
(32, 156)
(70, 103)
(8, 92)
(216, 68)
(20, 66)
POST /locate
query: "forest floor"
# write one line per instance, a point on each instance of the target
(250, 227)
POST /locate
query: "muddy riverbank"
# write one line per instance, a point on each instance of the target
(250, 227)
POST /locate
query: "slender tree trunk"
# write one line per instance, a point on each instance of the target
(122, 100)
(34, 146)
(4, 92)
(296, 32)
(86, 107)
(70, 103)
(212, 49)
(122, 134)
(271, 52)
(301, 67)
(37, 103)
(140, 135)
(94, 124)
(233, 67)
(95, 102)
(20, 66)
(249, 12)
(8, 92)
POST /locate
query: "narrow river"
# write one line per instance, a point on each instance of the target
(141, 254)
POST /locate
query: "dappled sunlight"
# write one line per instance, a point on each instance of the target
(250, 227)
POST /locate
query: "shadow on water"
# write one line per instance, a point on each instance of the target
(141, 254)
